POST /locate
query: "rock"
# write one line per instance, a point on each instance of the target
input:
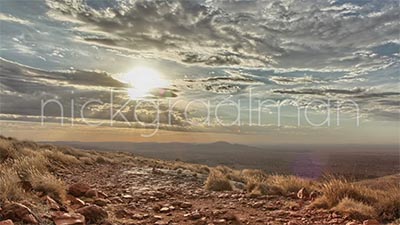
(137, 216)
(51, 203)
(313, 195)
(106, 223)
(61, 218)
(371, 222)
(220, 222)
(302, 193)
(92, 193)
(164, 209)
(102, 194)
(185, 205)
(18, 212)
(230, 217)
(195, 215)
(78, 189)
(258, 204)
(352, 223)
(101, 202)
(75, 203)
(122, 213)
(293, 222)
(201, 222)
(127, 197)
(6, 222)
(156, 217)
(116, 200)
(93, 213)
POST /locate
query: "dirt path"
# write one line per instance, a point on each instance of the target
(142, 195)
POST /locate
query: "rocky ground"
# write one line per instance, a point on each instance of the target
(115, 194)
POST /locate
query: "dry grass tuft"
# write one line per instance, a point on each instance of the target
(356, 209)
(58, 156)
(388, 206)
(359, 201)
(334, 190)
(49, 185)
(10, 189)
(217, 181)
(286, 185)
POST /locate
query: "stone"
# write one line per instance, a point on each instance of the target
(62, 218)
(101, 202)
(116, 200)
(78, 189)
(220, 222)
(122, 213)
(371, 222)
(293, 222)
(75, 203)
(93, 213)
(258, 204)
(302, 193)
(92, 193)
(137, 216)
(313, 195)
(164, 209)
(352, 223)
(185, 205)
(195, 216)
(51, 203)
(6, 222)
(18, 212)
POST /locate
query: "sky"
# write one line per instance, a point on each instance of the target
(245, 71)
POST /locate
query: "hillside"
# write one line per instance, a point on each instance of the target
(353, 162)
(48, 184)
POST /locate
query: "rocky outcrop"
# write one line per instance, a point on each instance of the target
(78, 189)
(93, 214)
(19, 213)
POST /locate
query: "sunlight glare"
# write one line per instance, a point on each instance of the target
(144, 80)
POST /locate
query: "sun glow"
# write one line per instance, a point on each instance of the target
(143, 81)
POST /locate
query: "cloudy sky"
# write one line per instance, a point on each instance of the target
(251, 71)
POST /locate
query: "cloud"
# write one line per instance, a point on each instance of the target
(320, 91)
(221, 84)
(370, 102)
(215, 60)
(281, 80)
(12, 72)
(94, 94)
(316, 35)
(13, 19)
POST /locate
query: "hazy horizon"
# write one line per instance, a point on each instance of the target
(251, 72)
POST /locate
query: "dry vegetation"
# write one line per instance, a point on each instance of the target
(348, 198)
(26, 166)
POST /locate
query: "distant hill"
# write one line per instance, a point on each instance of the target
(358, 162)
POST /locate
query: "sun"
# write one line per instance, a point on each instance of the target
(143, 80)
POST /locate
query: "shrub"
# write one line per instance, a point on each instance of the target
(254, 175)
(356, 209)
(285, 185)
(102, 160)
(334, 190)
(49, 185)
(10, 189)
(224, 169)
(7, 151)
(217, 181)
(57, 156)
(388, 206)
